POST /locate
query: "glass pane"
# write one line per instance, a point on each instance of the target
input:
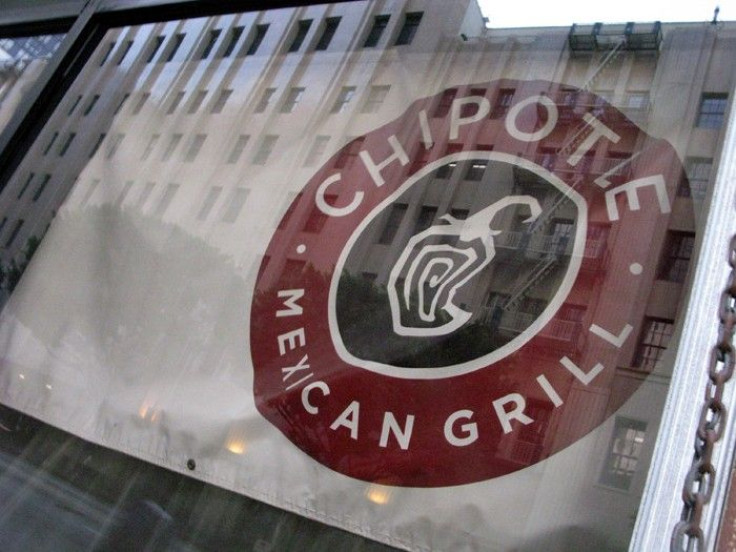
(381, 269)
(21, 62)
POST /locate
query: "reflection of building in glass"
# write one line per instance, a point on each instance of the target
(33, 47)
(214, 125)
(21, 61)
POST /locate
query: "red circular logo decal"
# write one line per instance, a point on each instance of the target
(453, 295)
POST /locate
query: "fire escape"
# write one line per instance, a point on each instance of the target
(613, 41)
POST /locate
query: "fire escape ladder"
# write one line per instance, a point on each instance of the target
(543, 268)
(608, 59)
(548, 213)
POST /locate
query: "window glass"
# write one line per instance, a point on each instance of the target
(21, 62)
(311, 258)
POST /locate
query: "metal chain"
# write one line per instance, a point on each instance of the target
(698, 487)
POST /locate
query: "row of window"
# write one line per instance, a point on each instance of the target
(13, 233)
(231, 44)
(228, 213)
(373, 101)
(698, 169)
(69, 140)
(711, 110)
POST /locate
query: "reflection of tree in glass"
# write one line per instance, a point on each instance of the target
(147, 294)
(11, 273)
(364, 319)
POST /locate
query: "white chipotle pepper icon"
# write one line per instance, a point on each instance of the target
(422, 302)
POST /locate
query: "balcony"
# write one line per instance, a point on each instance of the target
(629, 36)
(518, 321)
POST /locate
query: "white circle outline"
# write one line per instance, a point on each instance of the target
(429, 373)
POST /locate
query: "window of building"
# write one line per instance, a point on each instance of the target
(596, 241)
(74, 105)
(238, 148)
(197, 101)
(91, 105)
(211, 41)
(712, 110)
(222, 99)
(446, 170)
(395, 216)
(126, 49)
(108, 51)
(655, 337)
(210, 197)
(25, 185)
(532, 305)
(328, 32)
(175, 45)
(419, 159)
(470, 109)
(624, 453)
(194, 147)
(175, 102)
(316, 151)
(14, 233)
(562, 235)
(343, 99)
(302, 29)
(142, 99)
(115, 144)
(90, 191)
(698, 176)
(502, 103)
(121, 103)
(349, 154)
(97, 145)
(50, 143)
(235, 204)
(67, 143)
(476, 170)
(637, 101)
(41, 187)
(424, 219)
(409, 29)
(150, 147)
(376, 97)
(173, 143)
(459, 214)
(264, 151)
(145, 194)
(166, 199)
(445, 103)
(678, 250)
(157, 42)
(260, 32)
(317, 219)
(547, 157)
(380, 22)
(123, 193)
(235, 34)
(292, 99)
(209, 202)
(265, 100)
